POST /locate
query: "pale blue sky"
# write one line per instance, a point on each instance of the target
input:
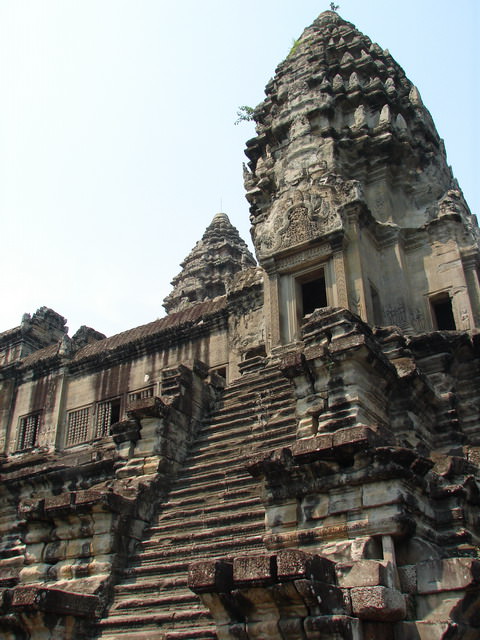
(117, 142)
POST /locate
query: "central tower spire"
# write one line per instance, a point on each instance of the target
(352, 201)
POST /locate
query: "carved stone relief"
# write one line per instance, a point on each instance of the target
(312, 209)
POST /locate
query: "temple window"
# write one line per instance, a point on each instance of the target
(313, 292)
(77, 426)
(28, 431)
(107, 413)
(141, 394)
(300, 293)
(442, 312)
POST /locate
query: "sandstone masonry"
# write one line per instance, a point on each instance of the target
(293, 451)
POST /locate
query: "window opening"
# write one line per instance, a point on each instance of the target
(443, 313)
(255, 351)
(314, 294)
(376, 306)
(77, 426)
(28, 432)
(107, 413)
(220, 371)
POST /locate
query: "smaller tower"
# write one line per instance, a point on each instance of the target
(214, 260)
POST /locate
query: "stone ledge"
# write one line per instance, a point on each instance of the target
(260, 570)
(147, 408)
(73, 502)
(26, 598)
(344, 441)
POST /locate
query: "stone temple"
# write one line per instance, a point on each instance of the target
(293, 451)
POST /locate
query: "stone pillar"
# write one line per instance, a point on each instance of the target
(354, 260)
(472, 278)
(340, 278)
(272, 307)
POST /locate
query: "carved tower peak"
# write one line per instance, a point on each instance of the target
(347, 181)
(215, 259)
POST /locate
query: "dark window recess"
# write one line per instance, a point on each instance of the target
(221, 371)
(443, 313)
(256, 351)
(376, 306)
(28, 432)
(107, 414)
(314, 295)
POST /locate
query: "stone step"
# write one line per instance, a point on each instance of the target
(172, 584)
(196, 511)
(197, 540)
(226, 430)
(176, 567)
(223, 525)
(212, 511)
(156, 633)
(221, 482)
(220, 547)
(138, 602)
(246, 424)
(123, 624)
(258, 378)
(250, 404)
(271, 437)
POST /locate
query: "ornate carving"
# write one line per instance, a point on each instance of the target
(396, 314)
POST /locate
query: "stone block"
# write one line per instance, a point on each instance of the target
(341, 500)
(363, 573)
(291, 629)
(293, 564)
(355, 437)
(314, 506)
(449, 605)
(320, 597)
(408, 578)
(326, 627)
(252, 570)
(281, 515)
(210, 576)
(420, 630)
(378, 603)
(53, 601)
(378, 493)
(447, 574)
(146, 408)
(32, 509)
(56, 505)
(262, 630)
(306, 447)
(378, 630)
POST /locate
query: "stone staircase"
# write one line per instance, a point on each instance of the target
(212, 511)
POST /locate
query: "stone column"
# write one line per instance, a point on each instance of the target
(472, 278)
(272, 307)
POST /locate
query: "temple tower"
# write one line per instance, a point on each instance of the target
(352, 201)
(211, 264)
